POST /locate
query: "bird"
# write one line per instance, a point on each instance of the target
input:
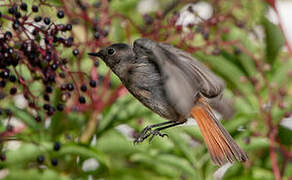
(176, 86)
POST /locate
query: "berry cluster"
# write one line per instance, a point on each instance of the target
(54, 161)
(34, 42)
(38, 52)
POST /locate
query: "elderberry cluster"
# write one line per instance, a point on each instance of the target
(33, 42)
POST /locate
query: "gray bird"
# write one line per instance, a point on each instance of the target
(176, 86)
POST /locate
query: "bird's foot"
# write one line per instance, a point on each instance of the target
(148, 132)
(155, 133)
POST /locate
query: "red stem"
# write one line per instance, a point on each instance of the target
(273, 155)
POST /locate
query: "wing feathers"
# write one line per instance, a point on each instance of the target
(211, 85)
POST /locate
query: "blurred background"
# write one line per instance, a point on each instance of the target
(64, 115)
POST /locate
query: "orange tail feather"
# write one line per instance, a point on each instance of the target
(220, 144)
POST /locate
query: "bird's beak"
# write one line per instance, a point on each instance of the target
(99, 54)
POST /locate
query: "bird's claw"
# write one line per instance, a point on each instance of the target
(146, 133)
(155, 133)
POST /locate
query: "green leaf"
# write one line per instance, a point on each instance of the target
(85, 152)
(280, 74)
(160, 168)
(274, 40)
(233, 124)
(118, 33)
(34, 174)
(179, 164)
(124, 6)
(20, 157)
(256, 143)
(123, 111)
(181, 144)
(25, 117)
(115, 143)
(261, 173)
(285, 134)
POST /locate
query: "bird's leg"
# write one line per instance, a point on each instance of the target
(147, 131)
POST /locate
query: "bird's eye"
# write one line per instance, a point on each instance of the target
(111, 51)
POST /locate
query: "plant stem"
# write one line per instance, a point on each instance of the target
(90, 127)
(273, 155)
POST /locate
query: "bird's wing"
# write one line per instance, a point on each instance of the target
(211, 85)
(183, 75)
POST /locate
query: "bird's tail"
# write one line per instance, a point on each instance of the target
(220, 144)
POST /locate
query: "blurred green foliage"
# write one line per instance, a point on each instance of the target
(182, 155)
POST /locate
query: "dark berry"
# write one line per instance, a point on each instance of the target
(75, 52)
(38, 119)
(96, 63)
(5, 74)
(82, 100)
(0, 14)
(57, 146)
(60, 14)
(190, 9)
(41, 159)
(206, 35)
(83, 88)
(54, 161)
(13, 91)
(8, 35)
(62, 75)
(237, 51)
(54, 66)
(70, 87)
(49, 89)
(96, 35)
(51, 78)
(68, 42)
(51, 111)
(16, 25)
(35, 8)
(2, 83)
(148, 19)
(11, 10)
(47, 20)
(8, 112)
(12, 78)
(61, 27)
(23, 6)
(17, 15)
(63, 87)
(92, 83)
(46, 97)
(60, 107)
(2, 157)
(37, 18)
(240, 24)
(31, 104)
(68, 27)
(10, 50)
(46, 106)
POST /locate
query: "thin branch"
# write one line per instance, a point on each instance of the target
(273, 155)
